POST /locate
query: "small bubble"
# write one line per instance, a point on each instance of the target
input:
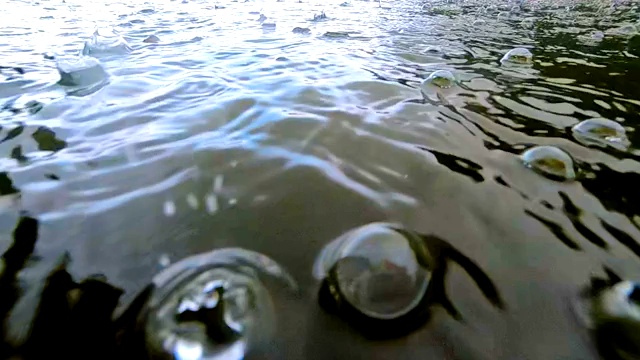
(550, 162)
(217, 183)
(517, 56)
(441, 78)
(169, 208)
(233, 201)
(211, 203)
(164, 261)
(192, 201)
(601, 132)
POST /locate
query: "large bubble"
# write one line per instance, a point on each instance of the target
(377, 270)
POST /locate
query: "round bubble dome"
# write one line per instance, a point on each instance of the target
(377, 270)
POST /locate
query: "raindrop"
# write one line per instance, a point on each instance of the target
(550, 162)
(440, 78)
(106, 42)
(215, 305)
(376, 270)
(517, 56)
(601, 132)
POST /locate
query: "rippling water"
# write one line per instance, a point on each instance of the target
(227, 132)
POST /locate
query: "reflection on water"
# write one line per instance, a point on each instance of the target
(273, 126)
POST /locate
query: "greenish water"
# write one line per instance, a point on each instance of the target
(213, 128)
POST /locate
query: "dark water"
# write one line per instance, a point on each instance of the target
(227, 132)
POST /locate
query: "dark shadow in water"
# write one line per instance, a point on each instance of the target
(609, 187)
(457, 164)
(622, 237)
(442, 253)
(13, 133)
(573, 213)
(47, 140)
(14, 259)
(6, 185)
(555, 229)
(73, 320)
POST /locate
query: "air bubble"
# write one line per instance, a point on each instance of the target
(601, 132)
(376, 270)
(517, 56)
(550, 162)
(441, 78)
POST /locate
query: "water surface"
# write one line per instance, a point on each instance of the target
(226, 132)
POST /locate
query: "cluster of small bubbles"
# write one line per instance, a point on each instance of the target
(601, 132)
(549, 161)
(517, 56)
(106, 42)
(212, 305)
(376, 269)
(440, 78)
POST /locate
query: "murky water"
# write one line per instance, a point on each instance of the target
(218, 124)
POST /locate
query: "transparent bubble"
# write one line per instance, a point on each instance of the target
(601, 132)
(441, 78)
(517, 56)
(213, 306)
(550, 162)
(377, 270)
(106, 42)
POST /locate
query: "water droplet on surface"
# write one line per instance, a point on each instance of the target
(601, 132)
(440, 78)
(550, 162)
(376, 270)
(106, 42)
(214, 305)
(80, 71)
(517, 56)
